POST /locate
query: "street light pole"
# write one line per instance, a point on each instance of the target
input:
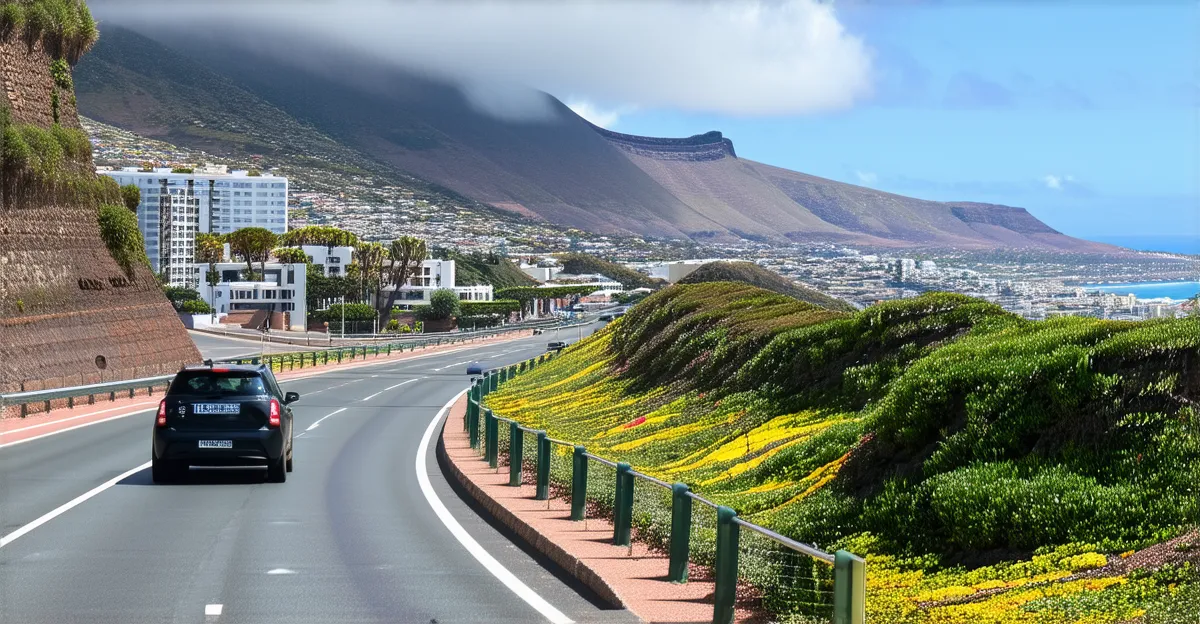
(343, 297)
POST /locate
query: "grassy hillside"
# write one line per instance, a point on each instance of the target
(476, 270)
(750, 273)
(586, 263)
(992, 469)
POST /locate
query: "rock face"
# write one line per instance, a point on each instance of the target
(64, 300)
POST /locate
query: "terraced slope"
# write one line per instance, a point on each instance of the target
(992, 469)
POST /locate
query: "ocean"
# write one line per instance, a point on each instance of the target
(1151, 290)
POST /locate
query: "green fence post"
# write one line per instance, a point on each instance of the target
(725, 590)
(339, 353)
(470, 411)
(389, 350)
(623, 505)
(543, 467)
(516, 453)
(494, 382)
(485, 384)
(578, 484)
(473, 428)
(492, 438)
(849, 588)
(681, 533)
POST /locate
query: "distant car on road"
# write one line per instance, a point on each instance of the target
(475, 368)
(556, 346)
(223, 415)
(606, 317)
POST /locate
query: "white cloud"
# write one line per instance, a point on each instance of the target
(866, 177)
(1057, 182)
(605, 118)
(754, 57)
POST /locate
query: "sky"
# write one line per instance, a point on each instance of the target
(1087, 113)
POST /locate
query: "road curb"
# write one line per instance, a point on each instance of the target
(568, 562)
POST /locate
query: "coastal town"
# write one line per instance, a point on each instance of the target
(1033, 284)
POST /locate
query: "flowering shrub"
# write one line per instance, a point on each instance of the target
(930, 434)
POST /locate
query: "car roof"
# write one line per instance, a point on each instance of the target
(253, 368)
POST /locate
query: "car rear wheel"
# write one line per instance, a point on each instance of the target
(277, 470)
(289, 461)
(163, 471)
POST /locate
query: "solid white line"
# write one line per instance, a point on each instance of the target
(482, 556)
(389, 388)
(79, 426)
(212, 609)
(314, 425)
(12, 537)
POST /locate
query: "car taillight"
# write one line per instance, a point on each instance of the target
(162, 413)
(273, 420)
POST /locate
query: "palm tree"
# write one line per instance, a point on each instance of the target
(252, 244)
(405, 255)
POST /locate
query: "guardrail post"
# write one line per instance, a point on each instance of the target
(491, 438)
(849, 588)
(543, 467)
(725, 590)
(516, 453)
(681, 533)
(579, 469)
(389, 348)
(623, 505)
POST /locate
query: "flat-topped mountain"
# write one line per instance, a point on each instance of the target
(554, 166)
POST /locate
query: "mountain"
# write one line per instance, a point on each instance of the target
(551, 165)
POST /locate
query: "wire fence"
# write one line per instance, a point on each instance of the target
(758, 575)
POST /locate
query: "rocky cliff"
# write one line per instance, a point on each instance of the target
(65, 300)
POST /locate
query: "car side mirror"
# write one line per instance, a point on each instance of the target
(291, 397)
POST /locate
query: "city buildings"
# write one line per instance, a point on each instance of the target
(434, 275)
(281, 290)
(177, 204)
(334, 261)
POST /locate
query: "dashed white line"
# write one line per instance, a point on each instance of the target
(68, 506)
(278, 571)
(213, 610)
(453, 365)
(389, 388)
(314, 425)
(497, 569)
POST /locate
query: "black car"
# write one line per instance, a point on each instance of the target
(556, 346)
(223, 415)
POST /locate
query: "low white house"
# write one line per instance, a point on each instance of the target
(602, 284)
(333, 260)
(282, 289)
(434, 275)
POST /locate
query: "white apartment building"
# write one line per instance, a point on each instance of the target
(282, 289)
(177, 206)
(433, 275)
(333, 260)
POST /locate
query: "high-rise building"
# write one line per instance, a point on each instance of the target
(177, 206)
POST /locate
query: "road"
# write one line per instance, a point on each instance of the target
(216, 347)
(351, 537)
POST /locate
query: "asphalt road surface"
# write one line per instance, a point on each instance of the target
(357, 534)
(218, 347)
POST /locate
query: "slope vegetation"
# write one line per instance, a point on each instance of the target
(478, 270)
(992, 469)
(580, 263)
(750, 273)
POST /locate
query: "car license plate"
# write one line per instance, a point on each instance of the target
(212, 444)
(216, 408)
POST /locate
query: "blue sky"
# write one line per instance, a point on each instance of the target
(1086, 113)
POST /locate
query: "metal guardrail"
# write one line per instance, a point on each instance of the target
(289, 358)
(849, 571)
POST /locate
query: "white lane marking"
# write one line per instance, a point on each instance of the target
(282, 381)
(212, 609)
(314, 425)
(374, 375)
(389, 388)
(79, 426)
(281, 571)
(453, 365)
(68, 506)
(482, 556)
(63, 420)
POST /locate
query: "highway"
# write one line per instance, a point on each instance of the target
(364, 530)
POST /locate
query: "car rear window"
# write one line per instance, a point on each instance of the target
(218, 384)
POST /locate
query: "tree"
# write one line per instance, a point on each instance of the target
(131, 196)
(326, 235)
(369, 258)
(252, 244)
(290, 255)
(443, 304)
(210, 250)
(405, 256)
